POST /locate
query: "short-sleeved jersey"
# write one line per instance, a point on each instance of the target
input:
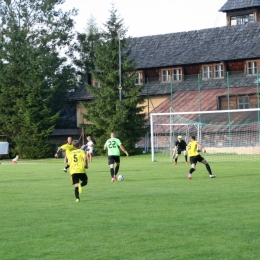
(192, 148)
(181, 145)
(112, 145)
(68, 148)
(76, 161)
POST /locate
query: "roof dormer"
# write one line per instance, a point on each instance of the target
(241, 11)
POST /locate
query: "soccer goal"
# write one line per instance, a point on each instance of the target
(226, 134)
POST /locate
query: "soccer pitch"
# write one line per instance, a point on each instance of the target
(155, 213)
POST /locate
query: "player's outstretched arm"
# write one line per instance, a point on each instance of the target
(56, 154)
(123, 150)
(201, 147)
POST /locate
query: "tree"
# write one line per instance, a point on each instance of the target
(82, 52)
(34, 77)
(107, 112)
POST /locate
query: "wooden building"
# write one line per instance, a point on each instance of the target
(220, 63)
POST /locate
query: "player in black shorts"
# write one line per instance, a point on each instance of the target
(180, 146)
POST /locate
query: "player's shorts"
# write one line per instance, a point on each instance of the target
(195, 159)
(113, 158)
(76, 177)
(181, 150)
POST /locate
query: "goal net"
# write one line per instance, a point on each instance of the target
(226, 134)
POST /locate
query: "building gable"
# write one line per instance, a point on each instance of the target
(232, 5)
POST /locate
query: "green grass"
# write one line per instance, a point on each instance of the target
(155, 213)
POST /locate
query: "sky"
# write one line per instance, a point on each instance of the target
(151, 17)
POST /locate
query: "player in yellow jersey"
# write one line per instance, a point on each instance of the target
(195, 157)
(78, 163)
(68, 147)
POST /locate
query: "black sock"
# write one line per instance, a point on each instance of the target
(209, 169)
(77, 192)
(176, 159)
(112, 172)
(67, 166)
(192, 170)
(186, 158)
(116, 169)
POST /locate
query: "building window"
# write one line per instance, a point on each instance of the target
(243, 102)
(166, 75)
(96, 84)
(252, 68)
(233, 21)
(176, 75)
(242, 19)
(207, 72)
(218, 71)
(251, 18)
(139, 79)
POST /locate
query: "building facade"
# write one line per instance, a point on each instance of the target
(201, 70)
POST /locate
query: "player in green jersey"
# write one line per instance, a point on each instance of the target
(78, 163)
(113, 146)
(195, 157)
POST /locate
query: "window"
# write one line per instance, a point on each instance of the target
(176, 74)
(251, 18)
(243, 102)
(233, 21)
(218, 71)
(96, 84)
(207, 72)
(214, 70)
(242, 19)
(166, 75)
(252, 68)
(139, 79)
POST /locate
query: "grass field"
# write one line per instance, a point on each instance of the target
(155, 213)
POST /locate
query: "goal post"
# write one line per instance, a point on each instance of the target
(226, 134)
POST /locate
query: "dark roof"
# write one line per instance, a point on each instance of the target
(153, 88)
(195, 47)
(67, 132)
(80, 94)
(226, 43)
(239, 4)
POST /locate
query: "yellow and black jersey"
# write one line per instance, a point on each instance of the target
(67, 148)
(192, 148)
(76, 161)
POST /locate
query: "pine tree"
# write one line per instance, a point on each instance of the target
(83, 50)
(110, 110)
(33, 77)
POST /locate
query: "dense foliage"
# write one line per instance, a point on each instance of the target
(82, 52)
(110, 110)
(34, 78)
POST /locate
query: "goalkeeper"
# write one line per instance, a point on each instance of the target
(180, 146)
